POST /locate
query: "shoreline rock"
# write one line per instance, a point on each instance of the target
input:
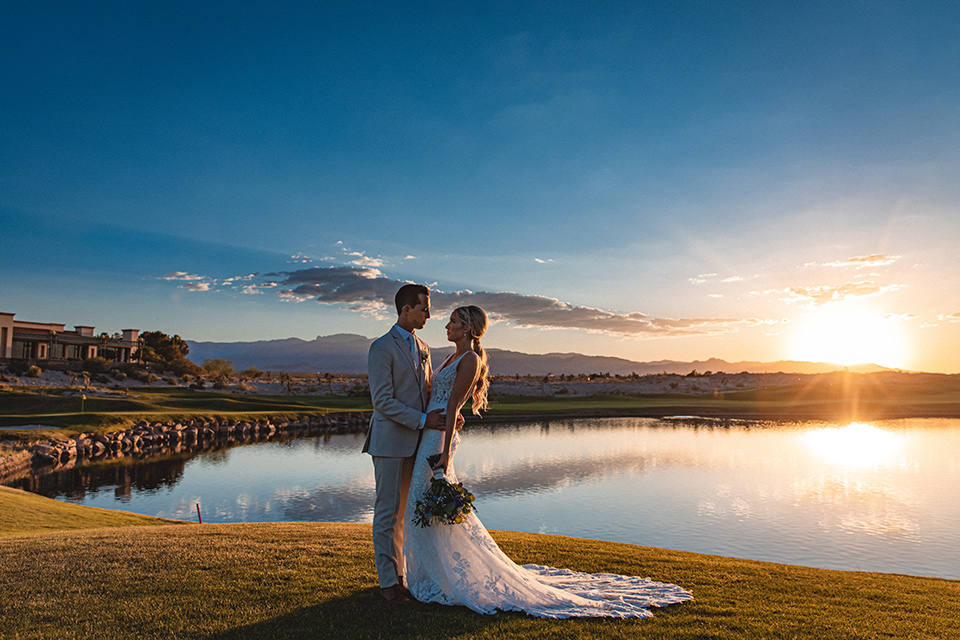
(148, 439)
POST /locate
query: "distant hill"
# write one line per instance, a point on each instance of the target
(347, 353)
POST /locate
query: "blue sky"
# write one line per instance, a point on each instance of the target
(653, 180)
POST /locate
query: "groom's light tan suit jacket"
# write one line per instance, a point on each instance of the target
(400, 394)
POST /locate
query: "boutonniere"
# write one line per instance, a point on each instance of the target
(424, 356)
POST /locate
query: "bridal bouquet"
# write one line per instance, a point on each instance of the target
(444, 502)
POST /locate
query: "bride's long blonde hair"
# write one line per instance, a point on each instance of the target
(476, 319)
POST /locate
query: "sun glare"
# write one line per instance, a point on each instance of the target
(855, 445)
(848, 338)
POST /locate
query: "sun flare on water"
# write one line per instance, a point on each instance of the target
(855, 445)
(848, 338)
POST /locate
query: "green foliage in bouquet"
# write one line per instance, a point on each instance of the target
(444, 502)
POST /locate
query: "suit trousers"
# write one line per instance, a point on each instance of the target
(392, 476)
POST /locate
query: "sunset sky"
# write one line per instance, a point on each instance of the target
(650, 180)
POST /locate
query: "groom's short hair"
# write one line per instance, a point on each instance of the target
(409, 294)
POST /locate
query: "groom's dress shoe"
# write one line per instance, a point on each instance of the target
(403, 587)
(396, 595)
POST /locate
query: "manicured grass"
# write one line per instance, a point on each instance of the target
(843, 396)
(317, 580)
(22, 513)
(840, 396)
(55, 407)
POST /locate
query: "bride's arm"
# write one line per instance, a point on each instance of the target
(468, 369)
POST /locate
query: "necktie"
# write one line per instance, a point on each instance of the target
(414, 351)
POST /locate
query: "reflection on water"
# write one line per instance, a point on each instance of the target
(847, 496)
(858, 486)
(855, 445)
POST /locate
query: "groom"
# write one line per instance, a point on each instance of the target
(399, 373)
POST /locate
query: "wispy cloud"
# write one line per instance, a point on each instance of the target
(368, 290)
(191, 282)
(952, 317)
(859, 262)
(359, 258)
(181, 275)
(246, 278)
(255, 289)
(366, 261)
(542, 261)
(901, 317)
(713, 277)
(819, 295)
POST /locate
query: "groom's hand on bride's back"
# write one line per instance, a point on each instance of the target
(437, 420)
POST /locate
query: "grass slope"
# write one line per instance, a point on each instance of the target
(317, 580)
(22, 513)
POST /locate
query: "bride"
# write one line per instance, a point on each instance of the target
(461, 564)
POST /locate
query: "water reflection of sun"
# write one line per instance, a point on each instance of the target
(855, 445)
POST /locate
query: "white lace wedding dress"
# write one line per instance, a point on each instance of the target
(460, 564)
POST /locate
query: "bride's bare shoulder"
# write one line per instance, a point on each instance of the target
(469, 361)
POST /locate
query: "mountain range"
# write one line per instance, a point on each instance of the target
(347, 353)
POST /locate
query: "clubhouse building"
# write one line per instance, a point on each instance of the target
(50, 341)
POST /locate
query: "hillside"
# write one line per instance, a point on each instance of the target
(347, 353)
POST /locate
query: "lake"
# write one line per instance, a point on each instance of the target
(877, 496)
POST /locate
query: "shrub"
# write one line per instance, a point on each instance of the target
(118, 375)
(34, 372)
(17, 367)
(218, 367)
(252, 373)
(132, 371)
(359, 389)
(182, 366)
(96, 365)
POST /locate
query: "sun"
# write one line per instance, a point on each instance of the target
(847, 338)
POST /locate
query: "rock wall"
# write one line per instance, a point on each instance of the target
(147, 439)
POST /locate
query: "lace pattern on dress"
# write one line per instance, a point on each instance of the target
(462, 565)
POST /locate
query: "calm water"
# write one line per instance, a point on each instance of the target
(878, 496)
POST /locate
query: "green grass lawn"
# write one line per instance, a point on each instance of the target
(117, 575)
(57, 407)
(836, 396)
(25, 513)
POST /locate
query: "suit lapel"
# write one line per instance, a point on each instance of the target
(405, 349)
(423, 372)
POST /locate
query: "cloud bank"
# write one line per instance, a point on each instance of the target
(367, 290)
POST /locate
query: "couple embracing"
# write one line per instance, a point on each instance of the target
(416, 414)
